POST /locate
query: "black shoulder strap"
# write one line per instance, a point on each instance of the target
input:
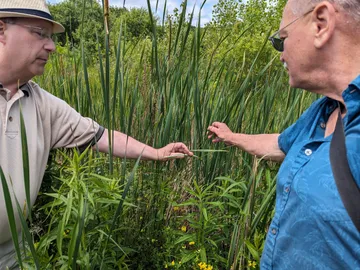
(345, 182)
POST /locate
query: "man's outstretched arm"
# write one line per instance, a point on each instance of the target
(261, 145)
(125, 145)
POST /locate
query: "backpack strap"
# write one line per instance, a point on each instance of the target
(345, 182)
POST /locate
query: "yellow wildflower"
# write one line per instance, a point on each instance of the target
(183, 228)
(252, 264)
(191, 243)
(176, 208)
(173, 263)
(202, 265)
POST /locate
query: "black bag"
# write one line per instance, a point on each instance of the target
(345, 182)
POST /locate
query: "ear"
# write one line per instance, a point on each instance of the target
(324, 20)
(2, 32)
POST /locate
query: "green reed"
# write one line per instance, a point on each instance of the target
(162, 89)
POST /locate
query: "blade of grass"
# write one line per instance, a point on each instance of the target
(11, 216)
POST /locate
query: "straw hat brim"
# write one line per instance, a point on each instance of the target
(57, 27)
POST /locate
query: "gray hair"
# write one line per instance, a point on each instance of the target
(9, 20)
(351, 7)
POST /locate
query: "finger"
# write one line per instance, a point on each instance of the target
(216, 124)
(181, 148)
(212, 129)
(175, 156)
(178, 146)
(217, 139)
(182, 151)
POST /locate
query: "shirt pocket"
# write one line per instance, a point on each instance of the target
(323, 198)
(11, 134)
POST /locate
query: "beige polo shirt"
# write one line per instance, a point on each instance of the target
(50, 123)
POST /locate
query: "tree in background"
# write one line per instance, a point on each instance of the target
(226, 13)
(242, 27)
(78, 24)
(90, 24)
(138, 24)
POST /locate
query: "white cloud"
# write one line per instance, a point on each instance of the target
(206, 13)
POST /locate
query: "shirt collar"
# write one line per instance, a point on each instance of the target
(351, 98)
(24, 88)
(355, 84)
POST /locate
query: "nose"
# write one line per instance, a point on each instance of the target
(49, 45)
(281, 57)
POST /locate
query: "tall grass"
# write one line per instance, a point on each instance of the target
(111, 214)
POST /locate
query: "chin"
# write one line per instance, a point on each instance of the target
(38, 72)
(300, 84)
(294, 82)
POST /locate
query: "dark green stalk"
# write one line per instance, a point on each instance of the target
(11, 216)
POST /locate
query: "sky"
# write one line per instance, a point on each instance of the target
(206, 12)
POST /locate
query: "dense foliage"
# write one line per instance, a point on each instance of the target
(162, 81)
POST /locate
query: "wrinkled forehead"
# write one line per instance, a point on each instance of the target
(35, 22)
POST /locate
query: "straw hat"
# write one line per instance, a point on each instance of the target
(28, 9)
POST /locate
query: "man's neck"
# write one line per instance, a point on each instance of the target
(13, 88)
(332, 78)
(12, 84)
(339, 82)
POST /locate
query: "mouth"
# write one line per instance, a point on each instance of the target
(42, 60)
(286, 66)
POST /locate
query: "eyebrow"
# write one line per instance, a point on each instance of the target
(48, 29)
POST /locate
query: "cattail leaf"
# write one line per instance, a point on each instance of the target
(11, 216)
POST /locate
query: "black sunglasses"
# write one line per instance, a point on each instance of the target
(278, 42)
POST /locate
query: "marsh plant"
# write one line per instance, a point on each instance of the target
(207, 212)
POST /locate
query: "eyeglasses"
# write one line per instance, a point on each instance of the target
(41, 33)
(277, 41)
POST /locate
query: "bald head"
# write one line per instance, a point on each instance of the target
(351, 7)
(321, 47)
(348, 13)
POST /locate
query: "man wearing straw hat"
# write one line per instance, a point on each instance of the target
(313, 226)
(26, 27)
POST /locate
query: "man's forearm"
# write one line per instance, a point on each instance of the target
(262, 145)
(124, 145)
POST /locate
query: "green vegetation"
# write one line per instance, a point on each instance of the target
(162, 80)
